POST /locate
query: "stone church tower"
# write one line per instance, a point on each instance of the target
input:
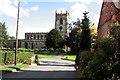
(109, 11)
(61, 23)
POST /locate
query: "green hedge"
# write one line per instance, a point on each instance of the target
(10, 56)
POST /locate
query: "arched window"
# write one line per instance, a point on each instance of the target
(61, 21)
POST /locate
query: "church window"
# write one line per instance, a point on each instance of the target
(41, 37)
(31, 36)
(60, 28)
(61, 21)
(38, 37)
(45, 36)
(34, 36)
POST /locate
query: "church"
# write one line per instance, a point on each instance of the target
(36, 40)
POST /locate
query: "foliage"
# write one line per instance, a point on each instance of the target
(115, 33)
(69, 57)
(3, 34)
(85, 43)
(103, 63)
(54, 39)
(71, 52)
(93, 38)
(11, 38)
(70, 41)
(9, 59)
(83, 38)
(84, 58)
(24, 56)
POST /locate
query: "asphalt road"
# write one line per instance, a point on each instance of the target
(52, 68)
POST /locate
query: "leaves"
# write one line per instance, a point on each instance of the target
(3, 34)
(54, 39)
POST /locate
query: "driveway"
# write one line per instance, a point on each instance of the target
(48, 68)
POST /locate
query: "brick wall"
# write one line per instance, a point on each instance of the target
(107, 11)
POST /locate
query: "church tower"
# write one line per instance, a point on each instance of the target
(61, 23)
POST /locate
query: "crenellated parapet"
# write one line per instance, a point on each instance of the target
(35, 35)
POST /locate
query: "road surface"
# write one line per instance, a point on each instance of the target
(48, 68)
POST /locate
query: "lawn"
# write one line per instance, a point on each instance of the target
(9, 69)
(44, 55)
(69, 57)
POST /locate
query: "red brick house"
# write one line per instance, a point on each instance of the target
(109, 11)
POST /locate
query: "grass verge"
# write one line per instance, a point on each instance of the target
(9, 69)
(69, 57)
(44, 55)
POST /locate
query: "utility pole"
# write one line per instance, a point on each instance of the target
(16, 50)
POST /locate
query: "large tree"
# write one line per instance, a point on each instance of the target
(86, 33)
(71, 41)
(54, 39)
(3, 34)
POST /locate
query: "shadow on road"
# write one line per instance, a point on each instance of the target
(41, 75)
(47, 70)
(55, 65)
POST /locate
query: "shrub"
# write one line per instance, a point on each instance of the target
(23, 56)
(10, 57)
(84, 58)
(103, 64)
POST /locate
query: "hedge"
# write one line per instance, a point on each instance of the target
(8, 57)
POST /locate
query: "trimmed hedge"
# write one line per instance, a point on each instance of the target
(8, 57)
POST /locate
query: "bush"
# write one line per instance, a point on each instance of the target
(10, 57)
(103, 64)
(23, 56)
(7, 57)
(84, 58)
(72, 53)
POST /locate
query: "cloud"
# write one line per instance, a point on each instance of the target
(24, 12)
(82, 1)
(96, 20)
(9, 8)
(34, 8)
(99, 2)
(76, 11)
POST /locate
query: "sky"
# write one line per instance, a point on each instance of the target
(39, 15)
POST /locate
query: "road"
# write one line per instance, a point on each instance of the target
(48, 68)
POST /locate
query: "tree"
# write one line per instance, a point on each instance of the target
(93, 38)
(71, 40)
(85, 35)
(11, 38)
(3, 34)
(54, 39)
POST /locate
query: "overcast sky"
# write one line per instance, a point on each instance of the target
(39, 15)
